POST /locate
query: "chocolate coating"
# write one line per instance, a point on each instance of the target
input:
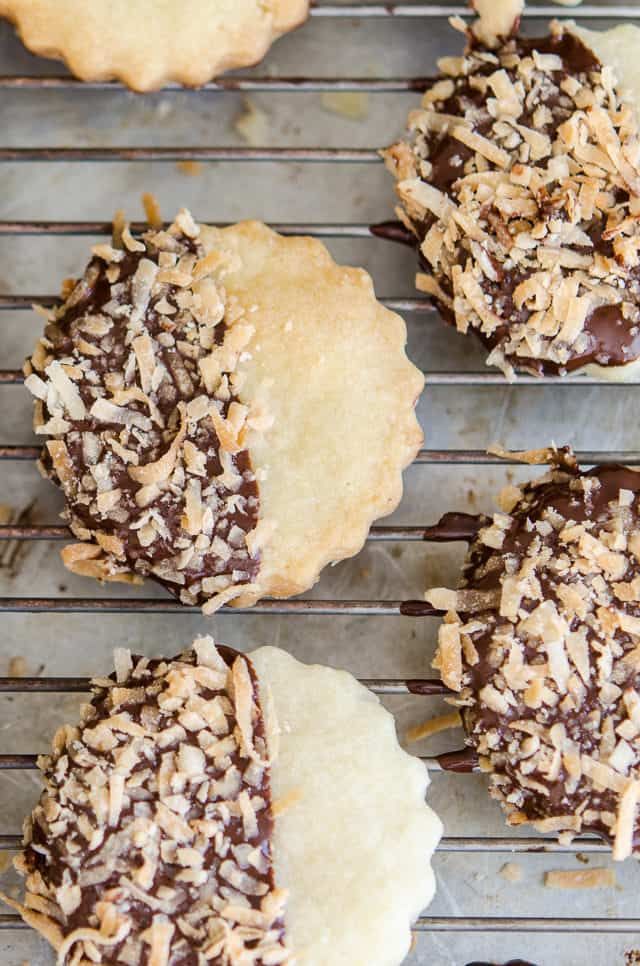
(512, 962)
(190, 525)
(189, 836)
(519, 106)
(548, 622)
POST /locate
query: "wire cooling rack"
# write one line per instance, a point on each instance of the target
(429, 457)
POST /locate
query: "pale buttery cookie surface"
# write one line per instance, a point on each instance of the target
(227, 411)
(147, 43)
(340, 762)
(184, 820)
(542, 645)
(520, 186)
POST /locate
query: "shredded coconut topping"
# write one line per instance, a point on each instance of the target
(136, 382)
(152, 841)
(543, 646)
(521, 185)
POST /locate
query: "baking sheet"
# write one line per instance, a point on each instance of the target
(587, 417)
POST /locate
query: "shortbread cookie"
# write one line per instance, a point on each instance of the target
(147, 43)
(181, 823)
(227, 410)
(542, 645)
(521, 187)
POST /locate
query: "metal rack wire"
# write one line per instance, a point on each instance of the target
(434, 533)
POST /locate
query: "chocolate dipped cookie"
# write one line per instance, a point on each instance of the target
(198, 810)
(520, 188)
(541, 647)
(225, 410)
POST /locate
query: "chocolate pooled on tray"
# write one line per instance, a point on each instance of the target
(520, 186)
(541, 643)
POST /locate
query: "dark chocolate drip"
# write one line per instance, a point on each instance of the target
(418, 608)
(453, 527)
(394, 231)
(512, 962)
(462, 762)
(427, 686)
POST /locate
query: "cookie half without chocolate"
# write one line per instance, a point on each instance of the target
(226, 410)
(146, 44)
(211, 808)
(541, 645)
(520, 187)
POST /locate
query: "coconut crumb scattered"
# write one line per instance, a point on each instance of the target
(597, 878)
(354, 105)
(512, 872)
(190, 168)
(17, 667)
(252, 124)
(443, 722)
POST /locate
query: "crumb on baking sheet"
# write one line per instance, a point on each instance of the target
(434, 726)
(599, 878)
(632, 957)
(17, 667)
(190, 168)
(512, 872)
(354, 105)
(252, 123)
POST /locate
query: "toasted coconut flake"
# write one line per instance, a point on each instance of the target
(61, 461)
(442, 599)
(161, 469)
(476, 142)
(244, 707)
(626, 820)
(497, 19)
(68, 392)
(145, 357)
(448, 659)
(599, 878)
(152, 210)
(434, 726)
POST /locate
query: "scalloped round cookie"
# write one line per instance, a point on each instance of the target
(226, 411)
(212, 807)
(341, 398)
(147, 43)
